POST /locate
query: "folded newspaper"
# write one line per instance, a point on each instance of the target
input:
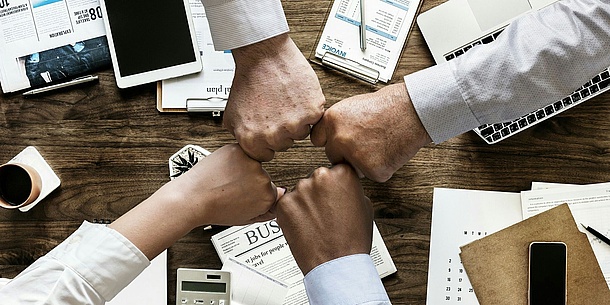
(263, 247)
(47, 41)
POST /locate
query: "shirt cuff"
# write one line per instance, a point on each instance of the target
(237, 23)
(346, 280)
(439, 103)
(103, 257)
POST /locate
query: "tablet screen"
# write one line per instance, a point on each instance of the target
(149, 34)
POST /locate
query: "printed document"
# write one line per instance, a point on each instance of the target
(263, 247)
(42, 41)
(387, 26)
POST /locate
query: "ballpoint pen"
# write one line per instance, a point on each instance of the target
(76, 81)
(362, 27)
(597, 234)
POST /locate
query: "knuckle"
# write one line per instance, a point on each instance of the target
(301, 185)
(321, 173)
(381, 175)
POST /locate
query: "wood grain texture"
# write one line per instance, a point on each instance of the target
(110, 148)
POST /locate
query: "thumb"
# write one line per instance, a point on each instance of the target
(318, 133)
(280, 192)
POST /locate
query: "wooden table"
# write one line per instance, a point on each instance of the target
(110, 148)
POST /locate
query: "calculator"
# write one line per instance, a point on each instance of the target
(203, 286)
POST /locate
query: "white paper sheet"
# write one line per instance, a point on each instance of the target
(460, 217)
(150, 287)
(250, 287)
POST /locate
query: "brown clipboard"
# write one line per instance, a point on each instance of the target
(497, 265)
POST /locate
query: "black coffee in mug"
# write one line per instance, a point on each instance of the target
(15, 184)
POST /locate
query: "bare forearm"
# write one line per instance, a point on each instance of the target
(156, 223)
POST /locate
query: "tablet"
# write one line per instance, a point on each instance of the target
(150, 40)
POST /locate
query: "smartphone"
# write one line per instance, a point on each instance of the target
(547, 280)
(150, 40)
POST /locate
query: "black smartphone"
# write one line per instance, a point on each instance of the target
(547, 279)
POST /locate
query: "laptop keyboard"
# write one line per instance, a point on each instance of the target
(493, 133)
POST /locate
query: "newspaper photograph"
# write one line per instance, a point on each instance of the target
(45, 41)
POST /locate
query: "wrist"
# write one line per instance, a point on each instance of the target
(420, 134)
(174, 201)
(267, 50)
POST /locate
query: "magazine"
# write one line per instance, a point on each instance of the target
(263, 247)
(46, 41)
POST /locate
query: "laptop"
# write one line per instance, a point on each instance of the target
(456, 26)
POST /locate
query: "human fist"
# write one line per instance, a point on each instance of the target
(226, 188)
(377, 133)
(274, 99)
(326, 216)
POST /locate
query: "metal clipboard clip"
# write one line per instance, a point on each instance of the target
(214, 104)
(350, 67)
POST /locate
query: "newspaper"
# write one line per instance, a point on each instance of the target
(263, 247)
(44, 41)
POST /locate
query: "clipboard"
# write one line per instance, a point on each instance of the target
(497, 265)
(338, 42)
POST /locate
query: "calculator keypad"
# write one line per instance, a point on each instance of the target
(204, 302)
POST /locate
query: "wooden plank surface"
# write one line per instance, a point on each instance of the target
(110, 148)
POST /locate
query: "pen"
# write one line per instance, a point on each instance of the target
(597, 234)
(362, 27)
(76, 81)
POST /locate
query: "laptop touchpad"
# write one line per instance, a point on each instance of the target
(490, 13)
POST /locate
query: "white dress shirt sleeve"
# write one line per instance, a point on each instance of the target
(90, 267)
(348, 280)
(237, 23)
(538, 59)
